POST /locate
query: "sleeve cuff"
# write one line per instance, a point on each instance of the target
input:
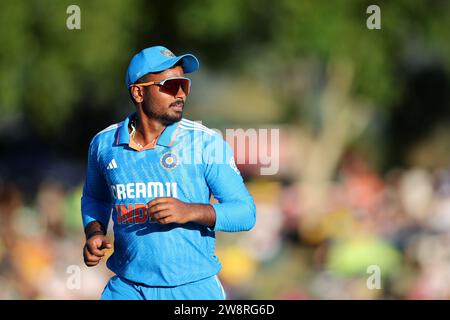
(95, 212)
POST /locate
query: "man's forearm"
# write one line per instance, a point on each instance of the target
(235, 216)
(94, 228)
(204, 214)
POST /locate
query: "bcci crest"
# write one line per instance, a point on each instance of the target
(169, 160)
(167, 53)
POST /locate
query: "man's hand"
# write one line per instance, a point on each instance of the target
(166, 210)
(94, 248)
(96, 243)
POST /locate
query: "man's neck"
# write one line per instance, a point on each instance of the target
(147, 129)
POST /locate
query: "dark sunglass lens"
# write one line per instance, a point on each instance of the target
(173, 85)
(185, 86)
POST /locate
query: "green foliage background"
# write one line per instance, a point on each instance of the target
(53, 79)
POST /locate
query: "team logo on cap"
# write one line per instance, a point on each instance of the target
(167, 53)
(169, 160)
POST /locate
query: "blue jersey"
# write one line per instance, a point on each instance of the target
(189, 162)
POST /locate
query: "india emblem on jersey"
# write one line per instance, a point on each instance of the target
(169, 160)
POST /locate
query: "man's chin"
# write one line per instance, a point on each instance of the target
(173, 117)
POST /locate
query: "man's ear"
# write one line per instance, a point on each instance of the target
(137, 94)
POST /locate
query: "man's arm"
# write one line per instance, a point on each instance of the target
(95, 210)
(235, 211)
(96, 198)
(94, 228)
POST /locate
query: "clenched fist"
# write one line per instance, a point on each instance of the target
(96, 244)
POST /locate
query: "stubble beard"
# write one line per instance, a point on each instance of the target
(167, 117)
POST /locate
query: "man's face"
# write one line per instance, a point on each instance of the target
(159, 105)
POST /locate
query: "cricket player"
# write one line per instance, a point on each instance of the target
(153, 174)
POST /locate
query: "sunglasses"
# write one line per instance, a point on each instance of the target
(169, 85)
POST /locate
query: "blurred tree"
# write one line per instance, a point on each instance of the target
(48, 72)
(54, 78)
(332, 76)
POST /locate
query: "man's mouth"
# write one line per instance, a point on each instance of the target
(177, 106)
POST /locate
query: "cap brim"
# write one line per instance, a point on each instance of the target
(190, 63)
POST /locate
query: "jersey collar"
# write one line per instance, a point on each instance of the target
(166, 139)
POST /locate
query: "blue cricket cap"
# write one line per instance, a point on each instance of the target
(157, 59)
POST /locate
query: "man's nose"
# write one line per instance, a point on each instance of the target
(180, 93)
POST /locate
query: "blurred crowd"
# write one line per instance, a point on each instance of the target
(41, 245)
(398, 222)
